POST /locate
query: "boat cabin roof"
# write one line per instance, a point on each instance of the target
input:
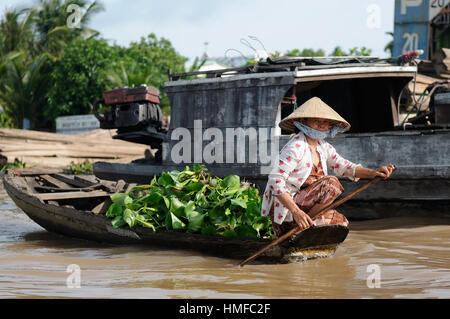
(363, 90)
(302, 69)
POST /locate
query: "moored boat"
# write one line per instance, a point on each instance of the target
(228, 121)
(76, 206)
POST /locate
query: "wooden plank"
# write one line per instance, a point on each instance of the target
(63, 138)
(71, 181)
(130, 187)
(55, 182)
(29, 184)
(110, 186)
(52, 202)
(17, 145)
(63, 162)
(120, 186)
(85, 180)
(37, 171)
(71, 189)
(71, 195)
(102, 208)
(64, 153)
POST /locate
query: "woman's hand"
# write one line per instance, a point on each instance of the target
(385, 171)
(302, 219)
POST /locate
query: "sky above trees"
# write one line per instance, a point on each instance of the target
(280, 25)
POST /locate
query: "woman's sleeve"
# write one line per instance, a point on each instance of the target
(341, 166)
(287, 162)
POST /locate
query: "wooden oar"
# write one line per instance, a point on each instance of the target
(296, 229)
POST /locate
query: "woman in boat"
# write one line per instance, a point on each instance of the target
(298, 186)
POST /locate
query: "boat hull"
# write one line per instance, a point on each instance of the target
(322, 241)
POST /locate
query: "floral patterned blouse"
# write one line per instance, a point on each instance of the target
(293, 167)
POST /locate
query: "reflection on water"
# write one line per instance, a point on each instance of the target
(412, 254)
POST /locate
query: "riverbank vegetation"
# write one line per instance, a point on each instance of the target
(49, 68)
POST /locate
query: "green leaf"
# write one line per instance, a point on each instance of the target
(142, 187)
(114, 210)
(175, 175)
(231, 183)
(194, 187)
(239, 202)
(167, 202)
(118, 222)
(200, 196)
(175, 204)
(260, 223)
(190, 206)
(128, 217)
(198, 168)
(153, 198)
(141, 220)
(179, 212)
(119, 198)
(195, 220)
(253, 209)
(166, 179)
(217, 215)
(232, 221)
(176, 223)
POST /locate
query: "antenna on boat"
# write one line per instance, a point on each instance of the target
(236, 51)
(254, 38)
(247, 44)
(258, 53)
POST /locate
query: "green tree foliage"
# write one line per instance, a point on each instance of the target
(48, 69)
(390, 46)
(78, 78)
(197, 64)
(5, 120)
(363, 51)
(305, 52)
(126, 74)
(147, 62)
(337, 51)
(50, 22)
(15, 31)
(31, 40)
(23, 89)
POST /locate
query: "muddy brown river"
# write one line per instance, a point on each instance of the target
(388, 258)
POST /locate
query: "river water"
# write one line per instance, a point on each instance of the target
(388, 258)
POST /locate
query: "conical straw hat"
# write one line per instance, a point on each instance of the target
(313, 108)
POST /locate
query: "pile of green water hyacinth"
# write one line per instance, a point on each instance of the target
(193, 201)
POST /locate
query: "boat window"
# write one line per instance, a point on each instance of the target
(368, 104)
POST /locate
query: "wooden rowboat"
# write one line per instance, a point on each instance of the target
(76, 206)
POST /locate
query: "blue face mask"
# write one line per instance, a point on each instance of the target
(318, 135)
